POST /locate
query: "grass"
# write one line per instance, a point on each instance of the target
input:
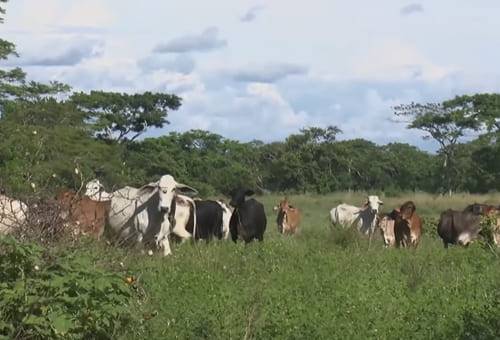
(319, 284)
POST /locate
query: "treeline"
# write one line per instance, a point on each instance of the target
(51, 137)
(45, 153)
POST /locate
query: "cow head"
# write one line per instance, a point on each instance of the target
(65, 199)
(373, 202)
(238, 197)
(95, 191)
(407, 210)
(167, 189)
(283, 205)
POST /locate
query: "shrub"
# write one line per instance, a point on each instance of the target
(64, 297)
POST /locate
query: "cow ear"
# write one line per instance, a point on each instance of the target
(380, 202)
(147, 189)
(186, 189)
(249, 193)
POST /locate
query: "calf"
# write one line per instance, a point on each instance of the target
(411, 225)
(248, 220)
(288, 218)
(402, 227)
(386, 225)
(89, 216)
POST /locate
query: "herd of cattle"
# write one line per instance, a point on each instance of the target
(157, 212)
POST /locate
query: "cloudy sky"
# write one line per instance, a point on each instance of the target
(250, 69)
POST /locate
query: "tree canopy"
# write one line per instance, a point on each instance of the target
(46, 131)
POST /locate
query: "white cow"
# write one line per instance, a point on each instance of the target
(226, 217)
(142, 215)
(12, 214)
(364, 218)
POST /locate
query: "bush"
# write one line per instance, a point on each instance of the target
(64, 297)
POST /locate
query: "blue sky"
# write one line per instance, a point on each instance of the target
(250, 69)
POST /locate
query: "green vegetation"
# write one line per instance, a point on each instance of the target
(323, 283)
(320, 284)
(43, 296)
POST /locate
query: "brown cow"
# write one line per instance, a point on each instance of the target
(402, 227)
(90, 216)
(408, 214)
(289, 217)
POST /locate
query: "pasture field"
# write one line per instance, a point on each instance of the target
(320, 284)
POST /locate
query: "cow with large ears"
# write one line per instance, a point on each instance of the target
(248, 220)
(146, 214)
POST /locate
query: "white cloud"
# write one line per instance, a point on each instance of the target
(397, 61)
(205, 41)
(179, 63)
(38, 15)
(267, 73)
(64, 54)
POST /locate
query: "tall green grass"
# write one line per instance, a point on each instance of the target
(323, 283)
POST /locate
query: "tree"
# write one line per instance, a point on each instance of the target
(13, 83)
(124, 117)
(447, 125)
(484, 108)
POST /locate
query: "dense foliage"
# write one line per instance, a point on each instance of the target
(63, 297)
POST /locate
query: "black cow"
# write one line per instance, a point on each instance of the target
(248, 220)
(458, 227)
(208, 220)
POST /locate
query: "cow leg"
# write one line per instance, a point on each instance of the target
(139, 239)
(165, 245)
(445, 244)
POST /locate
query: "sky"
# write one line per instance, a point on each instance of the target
(257, 69)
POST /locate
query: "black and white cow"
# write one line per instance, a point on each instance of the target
(248, 220)
(209, 222)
